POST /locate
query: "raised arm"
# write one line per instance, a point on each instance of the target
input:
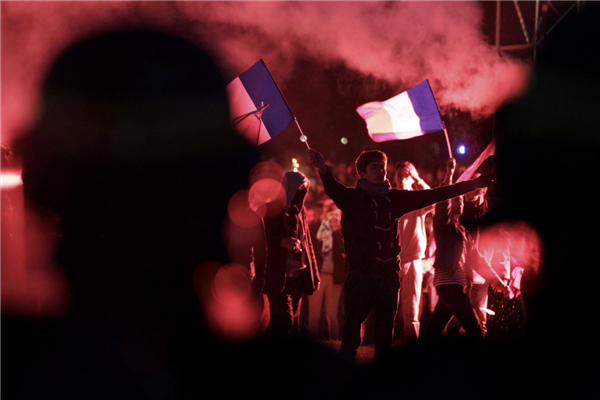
(339, 193)
(413, 200)
(316, 160)
(419, 183)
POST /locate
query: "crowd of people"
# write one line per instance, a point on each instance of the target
(135, 155)
(413, 255)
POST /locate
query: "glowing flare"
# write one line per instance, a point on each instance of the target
(10, 180)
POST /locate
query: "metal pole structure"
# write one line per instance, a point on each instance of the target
(522, 21)
(498, 26)
(562, 16)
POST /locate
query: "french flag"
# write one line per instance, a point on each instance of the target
(257, 107)
(407, 115)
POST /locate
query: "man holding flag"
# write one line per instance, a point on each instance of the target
(369, 229)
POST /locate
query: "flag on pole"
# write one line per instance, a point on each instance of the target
(257, 107)
(407, 115)
(490, 150)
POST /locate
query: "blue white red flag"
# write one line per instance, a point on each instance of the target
(257, 107)
(411, 113)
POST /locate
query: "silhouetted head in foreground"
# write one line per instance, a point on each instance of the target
(548, 163)
(135, 153)
(547, 167)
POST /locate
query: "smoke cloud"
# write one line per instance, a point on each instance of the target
(402, 43)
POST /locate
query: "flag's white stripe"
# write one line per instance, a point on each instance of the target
(240, 103)
(377, 118)
(392, 119)
(397, 118)
(402, 113)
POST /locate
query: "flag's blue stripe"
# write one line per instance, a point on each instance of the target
(262, 88)
(425, 107)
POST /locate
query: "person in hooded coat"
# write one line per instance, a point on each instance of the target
(291, 262)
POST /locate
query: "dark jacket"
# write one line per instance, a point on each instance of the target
(282, 221)
(369, 224)
(339, 257)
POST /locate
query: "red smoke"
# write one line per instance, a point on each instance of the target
(401, 42)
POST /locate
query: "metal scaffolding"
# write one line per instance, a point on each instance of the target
(547, 16)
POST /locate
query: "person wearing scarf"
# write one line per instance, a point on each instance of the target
(369, 228)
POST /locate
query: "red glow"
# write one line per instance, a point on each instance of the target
(525, 244)
(266, 169)
(265, 191)
(31, 283)
(231, 284)
(239, 210)
(230, 309)
(265, 186)
(10, 180)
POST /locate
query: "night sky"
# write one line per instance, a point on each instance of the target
(327, 57)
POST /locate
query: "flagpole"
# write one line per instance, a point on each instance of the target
(260, 112)
(302, 133)
(447, 141)
(443, 123)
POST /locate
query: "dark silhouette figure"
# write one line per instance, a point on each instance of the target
(548, 154)
(291, 263)
(135, 153)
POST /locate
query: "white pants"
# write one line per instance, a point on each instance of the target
(411, 279)
(330, 293)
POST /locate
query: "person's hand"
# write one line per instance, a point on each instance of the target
(483, 181)
(316, 286)
(412, 172)
(316, 160)
(291, 244)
